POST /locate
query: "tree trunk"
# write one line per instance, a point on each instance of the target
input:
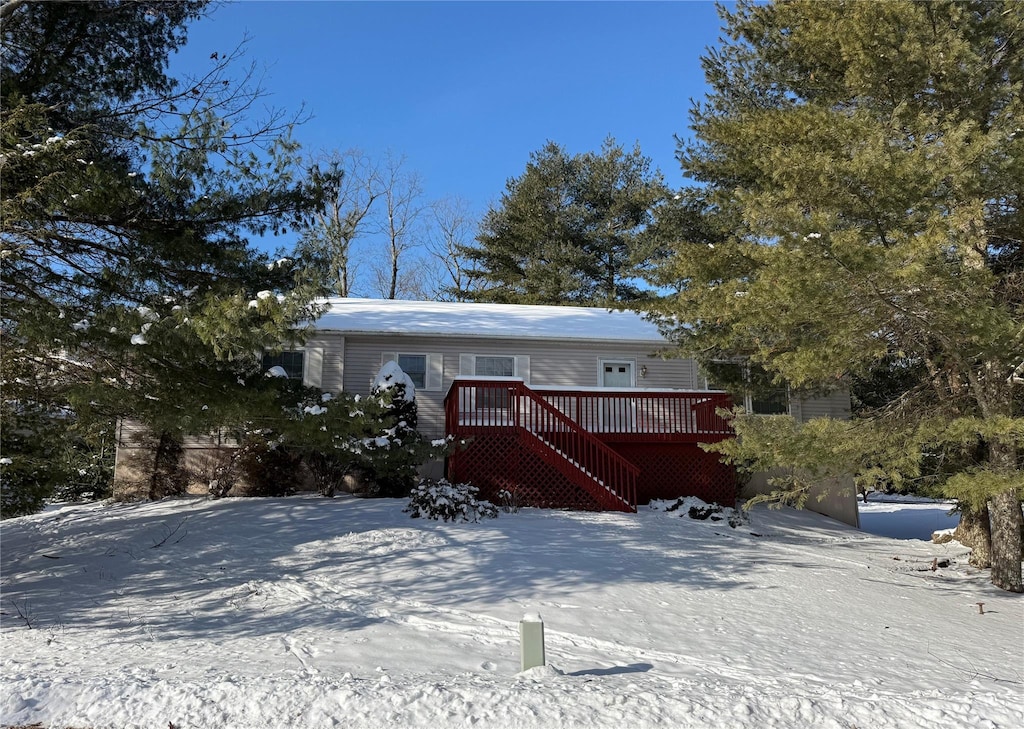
(974, 532)
(1006, 521)
(343, 284)
(158, 461)
(393, 288)
(1006, 525)
(168, 477)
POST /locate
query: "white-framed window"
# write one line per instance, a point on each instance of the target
(424, 369)
(291, 361)
(758, 394)
(414, 365)
(494, 365)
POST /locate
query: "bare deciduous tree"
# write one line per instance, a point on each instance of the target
(452, 228)
(327, 244)
(401, 213)
(417, 280)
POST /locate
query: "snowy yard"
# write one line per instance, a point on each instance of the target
(306, 612)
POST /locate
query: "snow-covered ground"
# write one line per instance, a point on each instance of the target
(307, 612)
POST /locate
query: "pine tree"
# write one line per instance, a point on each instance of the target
(568, 231)
(373, 439)
(860, 167)
(128, 281)
(394, 450)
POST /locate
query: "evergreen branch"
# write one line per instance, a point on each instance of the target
(9, 6)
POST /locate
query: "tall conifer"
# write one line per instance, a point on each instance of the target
(129, 284)
(859, 168)
(568, 230)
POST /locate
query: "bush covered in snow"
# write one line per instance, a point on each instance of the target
(393, 454)
(366, 445)
(449, 502)
(332, 441)
(694, 508)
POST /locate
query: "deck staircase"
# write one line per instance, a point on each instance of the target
(508, 409)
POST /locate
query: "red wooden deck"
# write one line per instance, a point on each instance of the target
(600, 449)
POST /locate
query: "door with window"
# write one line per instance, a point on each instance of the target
(617, 374)
(617, 413)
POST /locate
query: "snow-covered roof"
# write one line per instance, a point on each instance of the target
(507, 321)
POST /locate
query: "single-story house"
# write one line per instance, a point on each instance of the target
(561, 406)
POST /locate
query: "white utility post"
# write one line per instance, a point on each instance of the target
(531, 641)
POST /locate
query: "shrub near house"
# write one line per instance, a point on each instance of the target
(328, 442)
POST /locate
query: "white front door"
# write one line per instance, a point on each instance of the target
(617, 374)
(617, 413)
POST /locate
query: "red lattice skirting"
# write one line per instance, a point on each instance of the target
(671, 470)
(667, 470)
(499, 462)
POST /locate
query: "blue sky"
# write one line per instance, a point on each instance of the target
(467, 90)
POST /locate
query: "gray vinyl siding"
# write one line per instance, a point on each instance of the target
(351, 362)
(551, 363)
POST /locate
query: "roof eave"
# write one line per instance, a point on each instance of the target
(506, 337)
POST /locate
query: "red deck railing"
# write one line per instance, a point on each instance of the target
(647, 416)
(480, 406)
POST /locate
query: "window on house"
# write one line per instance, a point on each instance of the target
(490, 366)
(414, 365)
(751, 386)
(291, 362)
(495, 366)
(775, 402)
(764, 397)
(425, 370)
